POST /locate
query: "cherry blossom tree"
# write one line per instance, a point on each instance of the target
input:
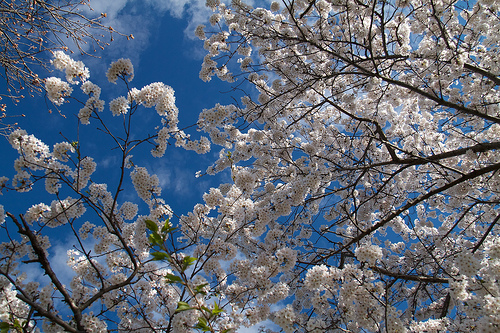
(31, 28)
(363, 194)
(368, 156)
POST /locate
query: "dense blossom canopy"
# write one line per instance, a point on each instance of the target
(364, 193)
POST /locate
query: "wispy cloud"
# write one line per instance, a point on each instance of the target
(140, 18)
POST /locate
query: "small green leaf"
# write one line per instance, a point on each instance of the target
(216, 309)
(171, 278)
(203, 325)
(188, 261)
(183, 306)
(4, 327)
(151, 240)
(155, 239)
(17, 324)
(169, 230)
(166, 227)
(160, 256)
(151, 226)
(199, 289)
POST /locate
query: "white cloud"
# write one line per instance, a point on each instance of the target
(140, 19)
(111, 8)
(59, 262)
(140, 15)
(175, 7)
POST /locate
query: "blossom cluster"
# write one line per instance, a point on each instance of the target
(74, 69)
(145, 185)
(285, 319)
(119, 106)
(120, 68)
(58, 89)
(467, 264)
(369, 253)
(58, 213)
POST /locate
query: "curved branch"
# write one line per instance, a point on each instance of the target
(42, 259)
(411, 203)
(408, 277)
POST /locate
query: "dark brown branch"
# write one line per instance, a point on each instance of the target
(446, 305)
(308, 9)
(411, 203)
(419, 278)
(492, 224)
(43, 260)
(484, 73)
(49, 315)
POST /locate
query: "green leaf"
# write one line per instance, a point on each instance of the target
(4, 327)
(160, 256)
(203, 325)
(169, 230)
(216, 309)
(151, 240)
(166, 227)
(188, 261)
(199, 289)
(151, 226)
(171, 278)
(155, 239)
(17, 324)
(183, 306)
